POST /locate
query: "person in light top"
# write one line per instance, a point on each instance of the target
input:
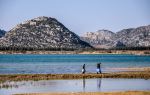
(98, 70)
(83, 69)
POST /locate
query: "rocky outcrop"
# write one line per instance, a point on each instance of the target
(2, 33)
(132, 37)
(100, 38)
(42, 33)
(138, 37)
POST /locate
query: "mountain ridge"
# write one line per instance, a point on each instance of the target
(131, 37)
(47, 32)
(42, 33)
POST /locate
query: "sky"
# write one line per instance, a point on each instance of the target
(79, 16)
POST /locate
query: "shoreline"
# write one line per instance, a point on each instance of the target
(131, 69)
(133, 52)
(93, 93)
(25, 77)
(144, 74)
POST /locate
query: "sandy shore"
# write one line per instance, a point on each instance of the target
(135, 52)
(95, 93)
(131, 69)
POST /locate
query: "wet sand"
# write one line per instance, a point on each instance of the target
(95, 93)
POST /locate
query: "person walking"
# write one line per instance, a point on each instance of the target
(83, 69)
(98, 70)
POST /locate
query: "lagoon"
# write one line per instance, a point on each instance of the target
(67, 63)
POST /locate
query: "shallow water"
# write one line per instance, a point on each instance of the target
(71, 63)
(77, 85)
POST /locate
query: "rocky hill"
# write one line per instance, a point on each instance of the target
(42, 33)
(132, 37)
(99, 38)
(138, 37)
(2, 33)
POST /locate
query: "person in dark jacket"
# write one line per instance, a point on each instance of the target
(83, 69)
(98, 70)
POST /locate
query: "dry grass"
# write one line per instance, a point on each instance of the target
(20, 77)
(95, 93)
(136, 52)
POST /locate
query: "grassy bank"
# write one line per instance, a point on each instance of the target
(96, 93)
(20, 77)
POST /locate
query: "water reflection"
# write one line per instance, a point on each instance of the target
(83, 84)
(99, 84)
(76, 85)
(18, 84)
(13, 84)
(8, 85)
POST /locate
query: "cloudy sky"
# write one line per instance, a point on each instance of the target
(79, 16)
